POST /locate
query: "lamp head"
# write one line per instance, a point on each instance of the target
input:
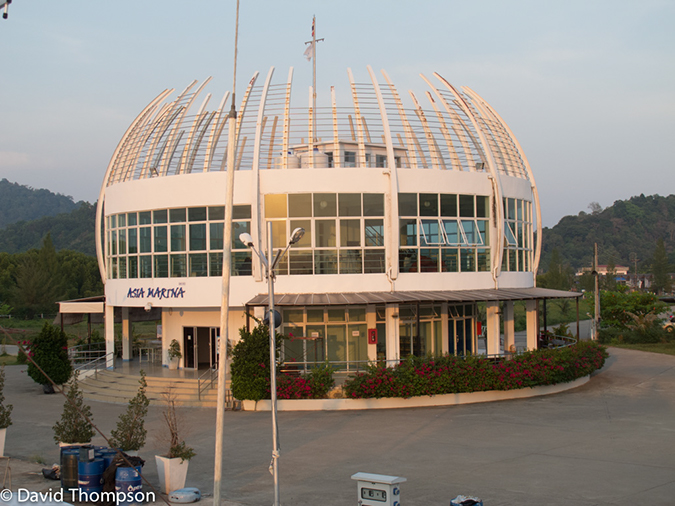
(246, 238)
(296, 236)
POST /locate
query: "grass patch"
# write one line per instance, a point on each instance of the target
(8, 360)
(664, 348)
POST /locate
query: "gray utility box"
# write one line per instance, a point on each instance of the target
(378, 489)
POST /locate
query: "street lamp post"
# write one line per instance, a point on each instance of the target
(270, 263)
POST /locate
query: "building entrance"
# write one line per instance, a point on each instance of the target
(200, 345)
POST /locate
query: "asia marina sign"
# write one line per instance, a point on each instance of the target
(156, 293)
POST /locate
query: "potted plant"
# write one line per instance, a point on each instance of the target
(73, 427)
(130, 433)
(174, 354)
(49, 351)
(5, 412)
(172, 467)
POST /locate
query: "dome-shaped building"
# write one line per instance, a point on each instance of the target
(415, 209)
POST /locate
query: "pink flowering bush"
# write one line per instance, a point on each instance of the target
(314, 385)
(417, 376)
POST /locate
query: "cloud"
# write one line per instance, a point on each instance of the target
(13, 159)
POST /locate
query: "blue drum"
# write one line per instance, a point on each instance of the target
(128, 481)
(69, 459)
(90, 476)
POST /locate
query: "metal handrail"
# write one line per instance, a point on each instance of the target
(96, 364)
(208, 382)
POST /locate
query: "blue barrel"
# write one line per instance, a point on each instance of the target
(128, 481)
(69, 459)
(90, 476)
(108, 456)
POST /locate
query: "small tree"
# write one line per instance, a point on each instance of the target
(5, 411)
(251, 363)
(49, 350)
(174, 350)
(73, 427)
(660, 269)
(130, 432)
(174, 429)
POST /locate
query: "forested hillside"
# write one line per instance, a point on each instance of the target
(22, 203)
(628, 226)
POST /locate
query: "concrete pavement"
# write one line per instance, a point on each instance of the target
(609, 442)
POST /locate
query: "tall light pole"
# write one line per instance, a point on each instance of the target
(270, 263)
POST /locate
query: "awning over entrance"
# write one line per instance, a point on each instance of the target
(348, 298)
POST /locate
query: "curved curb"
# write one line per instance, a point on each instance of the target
(412, 402)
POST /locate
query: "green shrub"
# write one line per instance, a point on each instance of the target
(251, 363)
(416, 376)
(314, 385)
(74, 427)
(5, 410)
(49, 350)
(130, 433)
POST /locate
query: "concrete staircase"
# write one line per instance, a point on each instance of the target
(111, 386)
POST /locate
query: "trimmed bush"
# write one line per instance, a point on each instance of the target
(251, 364)
(314, 385)
(49, 350)
(417, 376)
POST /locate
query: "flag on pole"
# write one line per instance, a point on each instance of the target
(313, 25)
(309, 52)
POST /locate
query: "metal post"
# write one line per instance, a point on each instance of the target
(596, 316)
(273, 365)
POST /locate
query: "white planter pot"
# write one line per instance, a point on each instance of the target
(171, 472)
(3, 432)
(173, 363)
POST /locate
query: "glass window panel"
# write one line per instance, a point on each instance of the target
(113, 242)
(350, 158)
(144, 218)
(122, 265)
(197, 214)
(482, 206)
(408, 232)
(325, 233)
(357, 339)
(483, 232)
(520, 260)
(145, 266)
(468, 260)
(357, 314)
(178, 266)
(505, 259)
(449, 260)
(407, 260)
(336, 314)
(132, 242)
(114, 268)
(145, 239)
(132, 272)
(373, 261)
(374, 232)
(242, 212)
(314, 315)
(429, 260)
(218, 212)
(238, 228)
(350, 261)
(483, 259)
(519, 230)
(132, 219)
(407, 204)
(177, 215)
(160, 239)
(325, 204)
(306, 241)
(511, 204)
(349, 204)
(293, 316)
(449, 205)
(471, 232)
(215, 264)
(513, 261)
(279, 234)
(300, 205)
(198, 236)
(428, 204)
(122, 220)
(350, 233)
(122, 242)
(216, 235)
(373, 204)
(431, 233)
(519, 209)
(300, 262)
(177, 238)
(509, 234)
(452, 233)
(275, 206)
(113, 221)
(199, 267)
(161, 266)
(241, 263)
(336, 344)
(325, 262)
(466, 209)
(159, 216)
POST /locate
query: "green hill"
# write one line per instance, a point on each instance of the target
(628, 226)
(23, 203)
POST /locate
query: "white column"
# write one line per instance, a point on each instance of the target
(165, 338)
(509, 328)
(371, 323)
(531, 322)
(444, 329)
(126, 336)
(110, 336)
(393, 345)
(492, 324)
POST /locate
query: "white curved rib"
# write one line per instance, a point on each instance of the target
(409, 134)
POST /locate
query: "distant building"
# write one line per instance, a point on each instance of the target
(412, 217)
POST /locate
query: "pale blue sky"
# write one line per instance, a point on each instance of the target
(588, 86)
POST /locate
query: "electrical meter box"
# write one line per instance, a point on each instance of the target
(378, 489)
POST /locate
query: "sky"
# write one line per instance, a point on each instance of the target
(587, 86)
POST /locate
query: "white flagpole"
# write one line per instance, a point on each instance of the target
(314, 76)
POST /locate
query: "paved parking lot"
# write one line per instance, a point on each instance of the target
(609, 442)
